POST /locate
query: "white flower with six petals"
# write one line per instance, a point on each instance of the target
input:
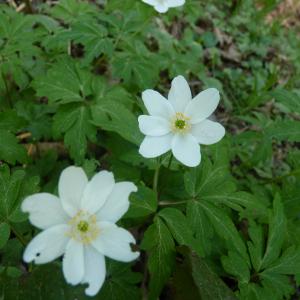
(162, 6)
(180, 123)
(80, 225)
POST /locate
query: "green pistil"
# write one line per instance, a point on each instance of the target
(180, 124)
(83, 226)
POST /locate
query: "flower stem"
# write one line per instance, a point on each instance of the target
(156, 176)
(170, 161)
(166, 203)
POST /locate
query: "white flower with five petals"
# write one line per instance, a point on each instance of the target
(180, 123)
(80, 225)
(162, 6)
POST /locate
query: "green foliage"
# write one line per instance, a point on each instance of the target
(210, 286)
(73, 121)
(159, 243)
(71, 77)
(142, 204)
(122, 284)
(64, 82)
(14, 186)
(116, 117)
(179, 227)
(270, 263)
(10, 150)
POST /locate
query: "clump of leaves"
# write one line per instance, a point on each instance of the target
(71, 78)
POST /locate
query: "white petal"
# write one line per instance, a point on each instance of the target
(203, 105)
(175, 3)
(208, 132)
(157, 105)
(117, 203)
(186, 149)
(151, 2)
(73, 262)
(44, 210)
(153, 146)
(97, 191)
(47, 245)
(114, 242)
(95, 270)
(180, 94)
(161, 8)
(72, 183)
(154, 126)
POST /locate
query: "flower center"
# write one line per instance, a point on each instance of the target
(83, 227)
(180, 123)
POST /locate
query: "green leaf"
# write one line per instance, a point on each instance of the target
(10, 185)
(256, 245)
(277, 230)
(200, 225)
(284, 130)
(234, 264)
(13, 188)
(112, 116)
(209, 181)
(210, 286)
(29, 186)
(74, 121)
(38, 285)
(17, 46)
(136, 66)
(121, 283)
(10, 150)
(245, 203)
(277, 286)
(225, 228)
(4, 234)
(10, 121)
(142, 203)
(64, 82)
(105, 92)
(182, 284)
(93, 36)
(289, 99)
(288, 263)
(159, 244)
(179, 226)
(71, 10)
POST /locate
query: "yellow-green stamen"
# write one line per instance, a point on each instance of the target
(83, 227)
(180, 123)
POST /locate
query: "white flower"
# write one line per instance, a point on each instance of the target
(162, 6)
(80, 225)
(180, 123)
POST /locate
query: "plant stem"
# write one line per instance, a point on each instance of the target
(170, 161)
(18, 236)
(166, 203)
(156, 176)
